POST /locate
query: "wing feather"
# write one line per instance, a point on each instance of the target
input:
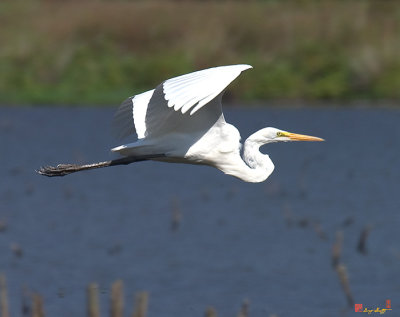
(122, 124)
(150, 113)
(131, 116)
(203, 85)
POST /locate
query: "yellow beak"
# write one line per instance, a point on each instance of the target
(301, 137)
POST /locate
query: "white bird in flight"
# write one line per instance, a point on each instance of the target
(181, 121)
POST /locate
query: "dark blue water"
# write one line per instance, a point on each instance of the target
(235, 240)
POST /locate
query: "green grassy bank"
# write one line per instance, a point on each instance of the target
(99, 52)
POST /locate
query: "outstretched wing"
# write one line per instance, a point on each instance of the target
(131, 115)
(166, 108)
(192, 91)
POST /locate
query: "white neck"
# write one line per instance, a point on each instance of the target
(255, 166)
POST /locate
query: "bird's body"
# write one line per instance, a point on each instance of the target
(181, 121)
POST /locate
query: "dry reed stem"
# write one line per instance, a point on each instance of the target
(344, 281)
(337, 249)
(3, 297)
(319, 231)
(244, 311)
(37, 307)
(26, 307)
(211, 312)
(341, 268)
(117, 299)
(362, 242)
(141, 304)
(93, 309)
(16, 249)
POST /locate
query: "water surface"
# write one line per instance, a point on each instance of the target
(235, 240)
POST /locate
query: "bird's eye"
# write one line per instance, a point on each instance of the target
(279, 134)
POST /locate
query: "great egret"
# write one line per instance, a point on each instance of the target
(181, 121)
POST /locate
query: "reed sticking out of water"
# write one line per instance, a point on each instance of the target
(37, 308)
(117, 299)
(244, 311)
(26, 302)
(93, 306)
(344, 281)
(3, 297)
(341, 268)
(319, 231)
(362, 242)
(211, 312)
(93, 309)
(337, 249)
(141, 303)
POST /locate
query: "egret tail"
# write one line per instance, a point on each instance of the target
(65, 169)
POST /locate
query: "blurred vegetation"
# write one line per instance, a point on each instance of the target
(100, 52)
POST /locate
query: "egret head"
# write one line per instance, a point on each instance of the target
(269, 135)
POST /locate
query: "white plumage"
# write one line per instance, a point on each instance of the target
(181, 121)
(182, 118)
(194, 90)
